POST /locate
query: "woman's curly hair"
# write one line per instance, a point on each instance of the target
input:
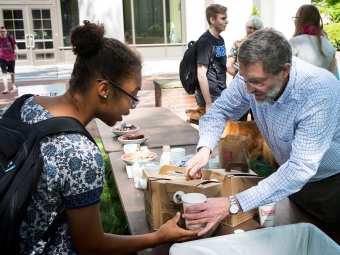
(100, 57)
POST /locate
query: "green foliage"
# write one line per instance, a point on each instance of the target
(156, 27)
(255, 11)
(260, 168)
(330, 7)
(333, 32)
(332, 10)
(325, 2)
(111, 210)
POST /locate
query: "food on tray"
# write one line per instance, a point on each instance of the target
(141, 156)
(125, 127)
(133, 137)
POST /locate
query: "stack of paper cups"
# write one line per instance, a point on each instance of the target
(214, 163)
(176, 156)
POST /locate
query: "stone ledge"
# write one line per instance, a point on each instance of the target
(170, 93)
(168, 83)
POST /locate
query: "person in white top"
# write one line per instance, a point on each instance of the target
(309, 41)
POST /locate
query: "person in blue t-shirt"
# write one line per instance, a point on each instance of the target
(212, 76)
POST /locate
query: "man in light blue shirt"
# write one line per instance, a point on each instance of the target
(297, 109)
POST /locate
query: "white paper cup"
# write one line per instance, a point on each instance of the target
(192, 199)
(155, 166)
(267, 215)
(140, 183)
(176, 156)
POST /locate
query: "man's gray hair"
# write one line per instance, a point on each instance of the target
(268, 46)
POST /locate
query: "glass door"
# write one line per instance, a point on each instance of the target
(34, 29)
(41, 38)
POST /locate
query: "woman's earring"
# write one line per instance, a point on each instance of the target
(105, 96)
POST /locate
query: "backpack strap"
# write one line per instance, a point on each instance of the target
(212, 57)
(52, 228)
(62, 124)
(13, 111)
(213, 51)
(11, 41)
(49, 126)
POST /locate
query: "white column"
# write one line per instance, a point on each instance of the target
(238, 14)
(195, 22)
(278, 14)
(108, 12)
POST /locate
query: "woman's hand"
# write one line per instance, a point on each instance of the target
(170, 232)
(194, 165)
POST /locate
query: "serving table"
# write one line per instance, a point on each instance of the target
(133, 204)
(162, 125)
(166, 128)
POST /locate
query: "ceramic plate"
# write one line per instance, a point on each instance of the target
(124, 130)
(142, 156)
(133, 138)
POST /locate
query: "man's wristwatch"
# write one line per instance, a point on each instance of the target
(234, 208)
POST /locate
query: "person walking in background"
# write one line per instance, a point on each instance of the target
(104, 84)
(8, 49)
(253, 24)
(309, 41)
(211, 76)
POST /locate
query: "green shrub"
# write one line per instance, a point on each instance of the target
(255, 11)
(333, 31)
(111, 210)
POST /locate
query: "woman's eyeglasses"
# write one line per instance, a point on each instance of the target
(135, 99)
(252, 28)
(294, 18)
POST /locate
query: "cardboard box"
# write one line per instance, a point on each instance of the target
(235, 182)
(161, 188)
(162, 185)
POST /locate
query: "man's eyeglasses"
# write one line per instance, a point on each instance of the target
(253, 85)
(135, 100)
(294, 18)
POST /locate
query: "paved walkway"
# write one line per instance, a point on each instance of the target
(28, 75)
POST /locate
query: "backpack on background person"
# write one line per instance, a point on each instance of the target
(11, 41)
(21, 165)
(188, 67)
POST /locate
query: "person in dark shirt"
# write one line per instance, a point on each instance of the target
(212, 77)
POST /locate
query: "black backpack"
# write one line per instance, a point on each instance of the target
(20, 169)
(188, 67)
(11, 41)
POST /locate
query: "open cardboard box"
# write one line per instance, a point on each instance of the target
(159, 199)
(235, 182)
(163, 185)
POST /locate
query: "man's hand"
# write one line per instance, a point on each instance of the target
(194, 165)
(212, 212)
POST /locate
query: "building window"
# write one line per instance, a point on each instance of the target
(69, 18)
(152, 21)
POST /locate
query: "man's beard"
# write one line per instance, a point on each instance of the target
(272, 93)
